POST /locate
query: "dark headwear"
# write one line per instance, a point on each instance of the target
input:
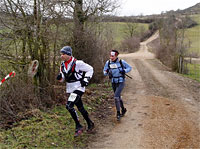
(66, 50)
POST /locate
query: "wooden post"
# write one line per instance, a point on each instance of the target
(180, 64)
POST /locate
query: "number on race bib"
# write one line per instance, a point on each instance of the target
(112, 66)
(72, 97)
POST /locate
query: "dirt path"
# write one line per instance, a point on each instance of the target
(163, 108)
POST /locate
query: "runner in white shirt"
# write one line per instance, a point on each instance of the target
(76, 74)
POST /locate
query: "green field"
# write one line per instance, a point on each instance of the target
(118, 29)
(193, 34)
(193, 71)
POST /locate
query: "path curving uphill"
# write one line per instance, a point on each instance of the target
(163, 108)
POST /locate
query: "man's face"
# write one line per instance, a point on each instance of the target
(65, 57)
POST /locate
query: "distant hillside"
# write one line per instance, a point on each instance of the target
(192, 10)
(188, 11)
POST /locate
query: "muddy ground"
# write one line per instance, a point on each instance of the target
(163, 108)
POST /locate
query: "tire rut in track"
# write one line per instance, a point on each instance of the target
(153, 86)
(170, 124)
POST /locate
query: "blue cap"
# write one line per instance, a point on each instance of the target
(66, 50)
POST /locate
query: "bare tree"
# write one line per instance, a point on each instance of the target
(172, 42)
(131, 29)
(32, 29)
(35, 29)
(83, 11)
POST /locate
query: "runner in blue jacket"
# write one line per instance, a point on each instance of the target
(116, 70)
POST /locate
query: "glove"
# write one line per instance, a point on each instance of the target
(85, 82)
(110, 75)
(109, 72)
(59, 77)
(122, 72)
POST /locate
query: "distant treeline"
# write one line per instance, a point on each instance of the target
(127, 19)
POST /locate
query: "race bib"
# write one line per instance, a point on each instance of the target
(72, 97)
(113, 66)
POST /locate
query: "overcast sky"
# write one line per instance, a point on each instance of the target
(147, 7)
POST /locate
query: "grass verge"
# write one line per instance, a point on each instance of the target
(193, 71)
(55, 127)
(193, 35)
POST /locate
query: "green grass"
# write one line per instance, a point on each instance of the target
(196, 18)
(193, 71)
(118, 29)
(48, 130)
(55, 127)
(193, 34)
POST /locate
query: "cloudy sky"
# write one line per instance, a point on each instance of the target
(146, 7)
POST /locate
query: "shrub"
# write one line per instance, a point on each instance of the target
(18, 96)
(94, 50)
(167, 56)
(186, 22)
(130, 45)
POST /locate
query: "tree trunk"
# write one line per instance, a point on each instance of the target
(78, 33)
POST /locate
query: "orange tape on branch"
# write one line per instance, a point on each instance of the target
(12, 74)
